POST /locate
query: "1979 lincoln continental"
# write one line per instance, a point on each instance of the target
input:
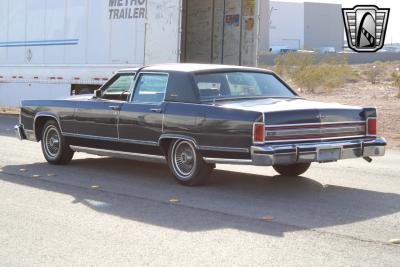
(194, 116)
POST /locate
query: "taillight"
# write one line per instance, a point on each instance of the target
(258, 133)
(371, 126)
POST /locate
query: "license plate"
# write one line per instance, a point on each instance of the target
(326, 155)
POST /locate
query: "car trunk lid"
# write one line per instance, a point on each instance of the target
(297, 119)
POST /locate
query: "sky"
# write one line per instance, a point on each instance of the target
(393, 31)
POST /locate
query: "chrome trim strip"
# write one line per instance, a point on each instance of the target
(229, 161)
(317, 139)
(165, 136)
(307, 131)
(178, 136)
(162, 122)
(92, 137)
(46, 114)
(118, 114)
(337, 142)
(315, 124)
(210, 148)
(225, 149)
(111, 139)
(120, 154)
(138, 142)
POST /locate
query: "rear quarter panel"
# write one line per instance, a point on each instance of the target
(212, 127)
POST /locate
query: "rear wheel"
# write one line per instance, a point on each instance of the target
(54, 147)
(187, 165)
(292, 169)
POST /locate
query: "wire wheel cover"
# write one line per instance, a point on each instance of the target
(184, 157)
(52, 141)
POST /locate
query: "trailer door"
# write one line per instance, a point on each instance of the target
(163, 31)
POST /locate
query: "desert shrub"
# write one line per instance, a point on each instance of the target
(302, 70)
(292, 62)
(325, 77)
(335, 59)
(396, 81)
(279, 68)
(354, 75)
(309, 78)
(374, 72)
(336, 76)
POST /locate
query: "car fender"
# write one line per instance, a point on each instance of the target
(42, 114)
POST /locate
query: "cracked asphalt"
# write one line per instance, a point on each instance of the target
(102, 211)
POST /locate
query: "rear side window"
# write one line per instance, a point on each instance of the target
(150, 88)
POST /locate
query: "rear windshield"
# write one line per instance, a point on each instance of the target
(214, 86)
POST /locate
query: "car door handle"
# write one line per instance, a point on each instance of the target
(115, 108)
(156, 110)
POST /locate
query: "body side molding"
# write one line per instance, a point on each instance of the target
(178, 136)
(120, 154)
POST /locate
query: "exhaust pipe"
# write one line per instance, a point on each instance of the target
(368, 159)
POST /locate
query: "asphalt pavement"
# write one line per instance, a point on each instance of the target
(101, 211)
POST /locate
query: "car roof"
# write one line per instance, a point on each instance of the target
(192, 67)
(128, 70)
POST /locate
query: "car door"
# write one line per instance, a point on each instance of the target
(97, 118)
(141, 118)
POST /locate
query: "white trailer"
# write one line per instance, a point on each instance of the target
(51, 49)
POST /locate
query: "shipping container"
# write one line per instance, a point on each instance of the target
(51, 49)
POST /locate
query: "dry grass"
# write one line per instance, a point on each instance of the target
(396, 81)
(383, 94)
(9, 111)
(333, 80)
(303, 72)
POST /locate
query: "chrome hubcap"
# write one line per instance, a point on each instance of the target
(52, 142)
(184, 159)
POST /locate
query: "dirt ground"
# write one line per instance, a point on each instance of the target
(363, 93)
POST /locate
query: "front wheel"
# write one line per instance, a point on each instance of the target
(292, 169)
(187, 165)
(54, 147)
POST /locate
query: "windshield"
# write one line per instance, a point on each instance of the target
(228, 85)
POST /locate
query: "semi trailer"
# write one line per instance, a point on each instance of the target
(51, 49)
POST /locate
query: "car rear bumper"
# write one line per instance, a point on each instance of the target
(269, 155)
(317, 152)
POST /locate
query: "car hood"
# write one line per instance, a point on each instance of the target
(297, 110)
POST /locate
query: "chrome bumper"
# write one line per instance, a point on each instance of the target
(20, 132)
(269, 155)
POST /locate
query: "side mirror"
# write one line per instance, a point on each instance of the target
(97, 93)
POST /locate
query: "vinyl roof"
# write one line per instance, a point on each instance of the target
(190, 67)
